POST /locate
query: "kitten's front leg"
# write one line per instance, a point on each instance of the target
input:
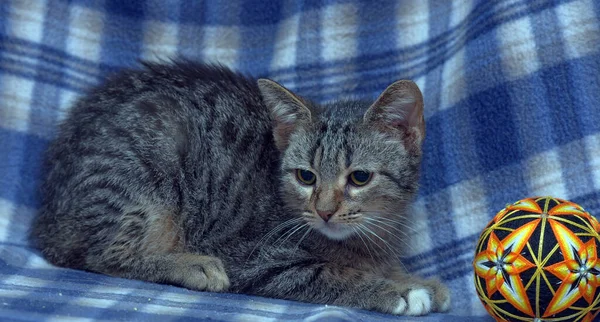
(192, 271)
(424, 294)
(147, 246)
(330, 283)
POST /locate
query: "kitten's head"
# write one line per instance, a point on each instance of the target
(348, 167)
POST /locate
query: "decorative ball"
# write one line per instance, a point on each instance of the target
(537, 260)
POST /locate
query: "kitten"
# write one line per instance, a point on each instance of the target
(193, 175)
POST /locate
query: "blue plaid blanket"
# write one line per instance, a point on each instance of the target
(512, 103)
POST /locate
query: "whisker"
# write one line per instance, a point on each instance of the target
(290, 234)
(273, 232)
(359, 233)
(370, 221)
(386, 243)
(398, 223)
(288, 231)
(303, 236)
(281, 226)
(375, 234)
(403, 241)
(388, 225)
(361, 226)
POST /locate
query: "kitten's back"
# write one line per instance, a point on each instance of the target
(154, 154)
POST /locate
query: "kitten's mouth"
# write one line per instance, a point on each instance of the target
(335, 231)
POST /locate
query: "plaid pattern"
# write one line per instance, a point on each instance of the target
(512, 99)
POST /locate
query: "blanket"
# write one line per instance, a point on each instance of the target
(512, 107)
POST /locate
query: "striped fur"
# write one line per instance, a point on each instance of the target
(511, 89)
(172, 174)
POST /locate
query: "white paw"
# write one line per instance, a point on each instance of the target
(418, 301)
(400, 307)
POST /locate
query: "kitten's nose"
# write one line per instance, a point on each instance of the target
(325, 214)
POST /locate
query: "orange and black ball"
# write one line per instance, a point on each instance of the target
(538, 260)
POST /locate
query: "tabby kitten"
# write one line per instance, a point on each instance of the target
(193, 175)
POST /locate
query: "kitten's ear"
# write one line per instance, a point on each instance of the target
(287, 110)
(399, 107)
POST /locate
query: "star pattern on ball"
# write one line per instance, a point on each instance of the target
(501, 263)
(579, 272)
(528, 205)
(538, 258)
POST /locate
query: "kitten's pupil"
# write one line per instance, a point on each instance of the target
(305, 177)
(360, 178)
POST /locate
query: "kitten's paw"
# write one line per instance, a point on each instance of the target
(441, 297)
(408, 301)
(418, 302)
(400, 307)
(202, 273)
(421, 298)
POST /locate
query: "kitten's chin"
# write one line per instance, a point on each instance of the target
(334, 231)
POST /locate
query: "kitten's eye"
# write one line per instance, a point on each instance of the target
(360, 178)
(306, 177)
